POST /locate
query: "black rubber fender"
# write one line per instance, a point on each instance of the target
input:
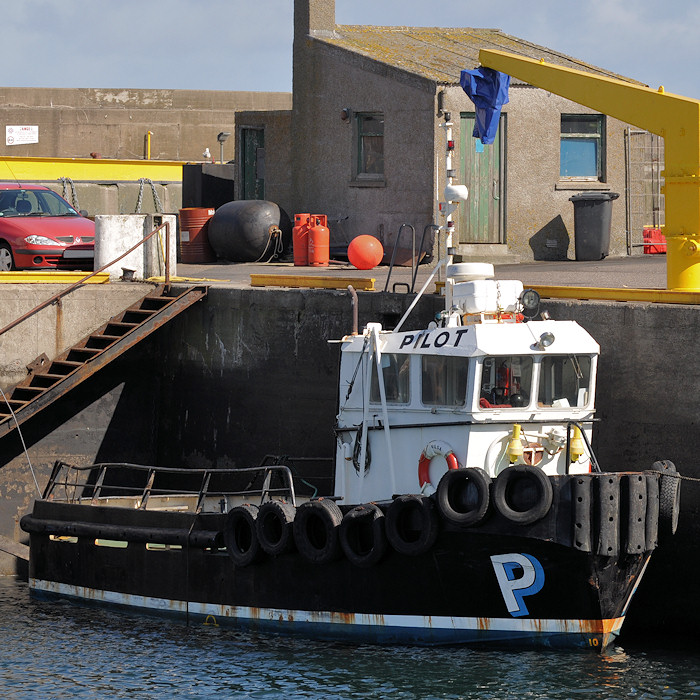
(363, 535)
(240, 535)
(669, 504)
(412, 524)
(315, 529)
(522, 494)
(669, 497)
(463, 496)
(274, 527)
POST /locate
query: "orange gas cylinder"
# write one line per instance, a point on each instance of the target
(300, 238)
(319, 241)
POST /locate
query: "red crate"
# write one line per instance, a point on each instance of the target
(654, 241)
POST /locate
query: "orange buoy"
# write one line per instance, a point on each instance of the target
(365, 252)
(300, 238)
(319, 241)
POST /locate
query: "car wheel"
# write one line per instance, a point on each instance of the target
(6, 261)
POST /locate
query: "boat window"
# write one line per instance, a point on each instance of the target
(564, 381)
(506, 382)
(395, 371)
(444, 380)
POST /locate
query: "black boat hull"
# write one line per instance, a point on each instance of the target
(532, 585)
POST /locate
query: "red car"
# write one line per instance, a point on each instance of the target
(39, 229)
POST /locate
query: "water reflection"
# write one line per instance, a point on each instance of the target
(55, 650)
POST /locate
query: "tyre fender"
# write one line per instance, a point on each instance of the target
(463, 496)
(363, 536)
(240, 535)
(669, 497)
(522, 494)
(412, 524)
(274, 527)
(315, 530)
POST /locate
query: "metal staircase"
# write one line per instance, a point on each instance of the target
(48, 380)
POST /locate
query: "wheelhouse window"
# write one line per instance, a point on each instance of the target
(506, 381)
(565, 381)
(369, 156)
(395, 371)
(582, 146)
(443, 380)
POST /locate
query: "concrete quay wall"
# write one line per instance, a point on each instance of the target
(58, 326)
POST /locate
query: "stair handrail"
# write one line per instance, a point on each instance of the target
(79, 283)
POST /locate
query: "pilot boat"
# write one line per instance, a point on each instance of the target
(468, 506)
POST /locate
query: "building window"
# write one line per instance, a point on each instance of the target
(582, 150)
(369, 163)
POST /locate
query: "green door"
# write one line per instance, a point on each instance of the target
(253, 173)
(481, 216)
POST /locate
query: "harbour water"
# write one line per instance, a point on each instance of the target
(63, 650)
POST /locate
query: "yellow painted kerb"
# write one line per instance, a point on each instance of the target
(51, 277)
(365, 284)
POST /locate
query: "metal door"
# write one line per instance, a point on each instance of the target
(645, 185)
(481, 217)
(253, 158)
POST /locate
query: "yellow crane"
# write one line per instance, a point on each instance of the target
(675, 118)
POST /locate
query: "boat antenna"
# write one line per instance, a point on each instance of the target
(24, 446)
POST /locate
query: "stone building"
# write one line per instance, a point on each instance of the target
(365, 143)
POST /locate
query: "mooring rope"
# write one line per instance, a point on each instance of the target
(24, 446)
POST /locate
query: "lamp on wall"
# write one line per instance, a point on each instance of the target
(345, 114)
(221, 138)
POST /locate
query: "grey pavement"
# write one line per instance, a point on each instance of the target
(636, 272)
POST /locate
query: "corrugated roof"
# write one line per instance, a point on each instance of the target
(440, 53)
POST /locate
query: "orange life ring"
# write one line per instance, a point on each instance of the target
(435, 449)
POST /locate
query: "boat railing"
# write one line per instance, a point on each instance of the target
(141, 483)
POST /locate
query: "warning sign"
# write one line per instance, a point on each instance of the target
(16, 135)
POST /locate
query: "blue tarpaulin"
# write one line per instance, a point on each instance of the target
(488, 90)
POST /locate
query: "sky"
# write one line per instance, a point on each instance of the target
(247, 44)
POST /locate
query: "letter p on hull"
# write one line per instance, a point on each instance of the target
(518, 575)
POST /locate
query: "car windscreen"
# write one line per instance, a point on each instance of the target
(34, 203)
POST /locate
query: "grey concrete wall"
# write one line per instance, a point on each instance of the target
(75, 122)
(111, 198)
(278, 153)
(58, 326)
(328, 80)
